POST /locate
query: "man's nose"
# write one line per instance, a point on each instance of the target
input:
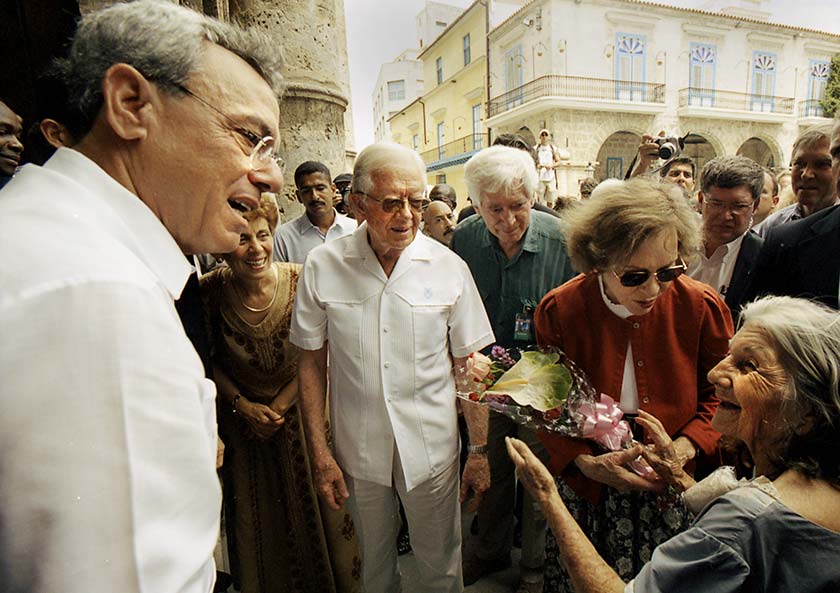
(15, 145)
(268, 178)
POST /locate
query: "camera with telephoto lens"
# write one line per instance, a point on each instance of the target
(670, 147)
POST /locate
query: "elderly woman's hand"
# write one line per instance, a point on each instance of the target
(662, 455)
(608, 468)
(262, 420)
(534, 476)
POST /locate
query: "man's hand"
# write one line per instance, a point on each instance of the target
(476, 478)
(608, 469)
(329, 481)
(648, 152)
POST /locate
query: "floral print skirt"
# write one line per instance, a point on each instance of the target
(625, 528)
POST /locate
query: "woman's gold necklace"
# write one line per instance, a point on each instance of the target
(273, 298)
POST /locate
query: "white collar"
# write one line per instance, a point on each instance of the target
(620, 310)
(727, 250)
(127, 218)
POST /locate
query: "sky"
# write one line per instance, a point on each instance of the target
(379, 30)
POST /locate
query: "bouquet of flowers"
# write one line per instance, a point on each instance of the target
(543, 389)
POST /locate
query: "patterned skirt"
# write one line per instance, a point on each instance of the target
(625, 528)
(281, 539)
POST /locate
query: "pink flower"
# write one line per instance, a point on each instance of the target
(478, 366)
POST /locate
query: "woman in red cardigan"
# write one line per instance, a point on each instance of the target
(646, 335)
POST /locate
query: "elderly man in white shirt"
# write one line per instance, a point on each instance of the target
(730, 191)
(108, 432)
(319, 223)
(394, 310)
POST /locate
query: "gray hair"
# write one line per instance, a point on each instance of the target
(726, 172)
(812, 136)
(163, 41)
(381, 157)
(607, 229)
(806, 338)
(500, 169)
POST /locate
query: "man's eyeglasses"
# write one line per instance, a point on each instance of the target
(735, 208)
(262, 148)
(391, 205)
(638, 277)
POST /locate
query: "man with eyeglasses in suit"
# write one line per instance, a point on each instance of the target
(730, 192)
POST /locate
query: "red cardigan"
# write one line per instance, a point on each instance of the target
(674, 346)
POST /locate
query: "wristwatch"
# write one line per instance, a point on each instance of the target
(477, 449)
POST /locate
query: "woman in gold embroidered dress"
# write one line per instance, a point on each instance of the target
(279, 538)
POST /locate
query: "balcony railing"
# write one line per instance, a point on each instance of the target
(578, 88)
(811, 108)
(456, 147)
(699, 97)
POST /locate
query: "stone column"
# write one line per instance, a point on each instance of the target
(311, 33)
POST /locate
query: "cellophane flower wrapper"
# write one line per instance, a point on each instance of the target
(540, 387)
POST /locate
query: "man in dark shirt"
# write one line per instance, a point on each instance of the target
(516, 255)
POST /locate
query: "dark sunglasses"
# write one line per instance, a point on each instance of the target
(639, 277)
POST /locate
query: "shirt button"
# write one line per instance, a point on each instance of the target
(640, 363)
(385, 329)
(635, 325)
(387, 365)
(645, 400)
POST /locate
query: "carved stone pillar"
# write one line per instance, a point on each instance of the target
(311, 33)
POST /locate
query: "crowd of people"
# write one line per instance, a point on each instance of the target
(189, 364)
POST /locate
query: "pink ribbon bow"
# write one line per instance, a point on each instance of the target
(603, 424)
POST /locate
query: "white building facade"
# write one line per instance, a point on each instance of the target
(600, 73)
(399, 83)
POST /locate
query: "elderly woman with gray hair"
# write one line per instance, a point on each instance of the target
(646, 335)
(778, 533)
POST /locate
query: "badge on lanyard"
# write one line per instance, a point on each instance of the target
(523, 329)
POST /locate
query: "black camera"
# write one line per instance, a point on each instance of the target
(670, 147)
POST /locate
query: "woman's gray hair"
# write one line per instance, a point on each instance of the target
(604, 231)
(379, 157)
(806, 338)
(163, 41)
(500, 169)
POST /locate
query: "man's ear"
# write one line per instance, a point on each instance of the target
(776, 200)
(127, 101)
(356, 201)
(56, 134)
(297, 195)
(700, 197)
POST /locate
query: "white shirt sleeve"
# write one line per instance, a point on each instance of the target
(281, 251)
(469, 327)
(107, 445)
(309, 317)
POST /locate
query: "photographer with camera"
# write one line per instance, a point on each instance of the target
(677, 169)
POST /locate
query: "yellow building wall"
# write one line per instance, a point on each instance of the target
(449, 103)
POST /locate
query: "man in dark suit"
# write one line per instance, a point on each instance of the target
(802, 258)
(730, 191)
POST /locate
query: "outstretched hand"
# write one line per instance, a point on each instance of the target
(533, 474)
